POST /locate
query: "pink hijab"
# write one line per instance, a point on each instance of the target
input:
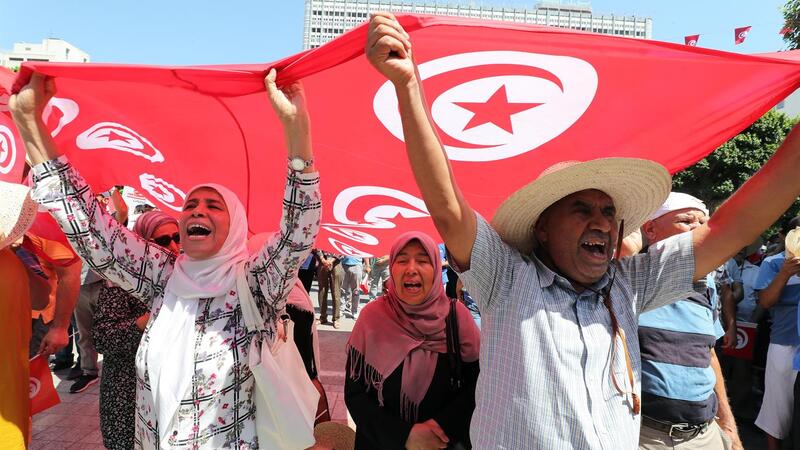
(390, 332)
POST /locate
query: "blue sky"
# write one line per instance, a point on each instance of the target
(177, 32)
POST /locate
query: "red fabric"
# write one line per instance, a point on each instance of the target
(12, 154)
(740, 34)
(785, 30)
(164, 129)
(46, 227)
(691, 40)
(42, 392)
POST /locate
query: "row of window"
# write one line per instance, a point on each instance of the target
(327, 30)
(318, 12)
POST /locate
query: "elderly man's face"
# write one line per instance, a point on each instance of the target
(578, 235)
(674, 222)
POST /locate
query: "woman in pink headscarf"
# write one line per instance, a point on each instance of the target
(412, 359)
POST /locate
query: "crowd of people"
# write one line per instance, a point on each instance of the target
(592, 312)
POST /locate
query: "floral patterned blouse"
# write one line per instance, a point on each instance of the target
(218, 411)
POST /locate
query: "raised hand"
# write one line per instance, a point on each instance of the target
(29, 102)
(388, 48)
(289, 103)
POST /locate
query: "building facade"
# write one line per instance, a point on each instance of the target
(51, 49)
(327, 19)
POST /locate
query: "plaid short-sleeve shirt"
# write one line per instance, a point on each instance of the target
(545, 355)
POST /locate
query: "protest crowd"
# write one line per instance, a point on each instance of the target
(597, 309)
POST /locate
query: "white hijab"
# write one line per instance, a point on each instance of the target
(170, 354)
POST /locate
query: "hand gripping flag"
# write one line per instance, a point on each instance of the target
(740, 34)
(691, 40)
(508, 100)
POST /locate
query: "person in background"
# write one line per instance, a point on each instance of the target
(330, 277)
(378, 274)
(307, 270)
(117, 326)
(353, 267)
(684, 401)
(778, 287)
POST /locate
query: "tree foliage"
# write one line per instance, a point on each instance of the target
(791, 17)
(716, 177)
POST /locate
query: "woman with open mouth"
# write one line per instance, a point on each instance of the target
(412, 358)
(194, 388)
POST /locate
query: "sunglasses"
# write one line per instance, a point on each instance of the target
(166, 239)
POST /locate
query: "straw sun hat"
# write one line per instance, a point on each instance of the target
(637, 187)
(17, 211)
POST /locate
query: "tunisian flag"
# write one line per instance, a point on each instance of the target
(740, 34)
(508, 100)
(42, 392)
(691, 40)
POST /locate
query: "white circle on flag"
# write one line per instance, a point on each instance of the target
(741, 339)
(8, 150)
(34, 387)
(532, 110)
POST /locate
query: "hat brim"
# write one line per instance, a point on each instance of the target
(637, 187)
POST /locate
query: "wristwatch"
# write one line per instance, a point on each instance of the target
(298, 164)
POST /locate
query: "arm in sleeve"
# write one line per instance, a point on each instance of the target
(105, 246)
(456, 416)
(663, 275)
(272, 270)
(491, 262)
(387, 431)
(770, 282)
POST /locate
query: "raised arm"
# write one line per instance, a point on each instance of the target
(273, 269)
(752, 208)
(389, 50)
(103, 244)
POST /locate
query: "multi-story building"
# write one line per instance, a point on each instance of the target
(327, 19)
(51, 49)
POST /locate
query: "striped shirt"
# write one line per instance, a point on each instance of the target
(676, 341)
(546, 358)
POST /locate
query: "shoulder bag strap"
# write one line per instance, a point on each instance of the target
(453, 347)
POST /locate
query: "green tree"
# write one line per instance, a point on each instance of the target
(791, 17)
(716, 177)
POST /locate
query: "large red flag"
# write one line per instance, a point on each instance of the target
(508, 99)
(740, 34)
(42, 392)
(691, 40)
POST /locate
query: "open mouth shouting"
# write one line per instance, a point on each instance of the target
(197, 231)
(595, 248)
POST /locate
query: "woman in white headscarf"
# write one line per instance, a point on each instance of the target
(194, 388)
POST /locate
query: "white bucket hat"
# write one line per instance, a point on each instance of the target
(637, 187)
(17, 212)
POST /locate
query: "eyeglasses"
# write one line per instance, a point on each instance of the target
(166, 239)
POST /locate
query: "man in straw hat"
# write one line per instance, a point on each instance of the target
(17, 212)
(560, 362)
(683, 390)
